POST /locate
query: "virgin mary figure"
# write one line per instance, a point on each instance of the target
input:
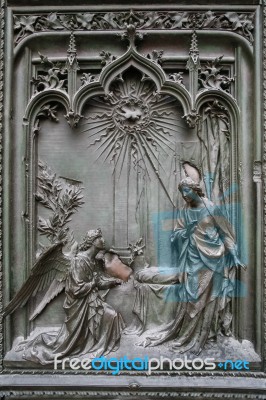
(206, 257)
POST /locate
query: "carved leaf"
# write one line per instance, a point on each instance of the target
(63, 199)
(53, 22)
(242, 24)
(85, 20)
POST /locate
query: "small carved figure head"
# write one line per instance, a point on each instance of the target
(93, 237)
(189, 188)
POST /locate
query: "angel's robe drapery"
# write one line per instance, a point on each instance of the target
(91, 325)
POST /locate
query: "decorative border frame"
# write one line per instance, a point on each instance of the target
(249, 386)
(264, 175)
(2, 49)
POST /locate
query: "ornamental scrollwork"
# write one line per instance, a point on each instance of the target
(240, 23)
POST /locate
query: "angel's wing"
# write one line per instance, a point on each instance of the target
(50, 270)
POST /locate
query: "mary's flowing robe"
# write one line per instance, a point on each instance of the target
(204, 248)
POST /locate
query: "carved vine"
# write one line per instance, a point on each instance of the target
(217, 110)
(210, 76)
(62, 199)
(240, 23)
(55, 78)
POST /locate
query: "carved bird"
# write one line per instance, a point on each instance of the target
(133, 114)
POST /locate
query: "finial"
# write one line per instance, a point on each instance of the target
(193, 61)
(194, 50)
(72, 52)
(72, 44)
(194, 44)
(131, 35)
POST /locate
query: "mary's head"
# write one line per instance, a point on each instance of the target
(190, 190)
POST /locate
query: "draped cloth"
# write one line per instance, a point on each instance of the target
(204, 247)
(91, 325)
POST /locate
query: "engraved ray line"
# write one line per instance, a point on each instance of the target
(117, 147)
(141, 87)
(163, 102)
(179, 119)
(163, 111)
(116, 138)
(109, 134)
(101, 125)
(98, 140)
(98, 103)
(92, 118)
(148, 91)
(123, 151)
(152, 152)
(99, 131)
(127, 150)
(157, 173)
(108, 141)
(154, 139)
(162, 138)
(149, 95)
(143, 158)
(160, 122)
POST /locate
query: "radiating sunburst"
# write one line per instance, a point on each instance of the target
(133, 124)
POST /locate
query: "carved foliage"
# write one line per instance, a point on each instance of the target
(192, 119)
(106, 57)
(210, 76)
(55, 77)
(177, 77)
(73, 118)
(87, 78)
(241, 23)
(155, 56)
(217, 110)
(62, 199)
(47, 111)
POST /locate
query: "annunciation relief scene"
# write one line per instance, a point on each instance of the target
(134, 229)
